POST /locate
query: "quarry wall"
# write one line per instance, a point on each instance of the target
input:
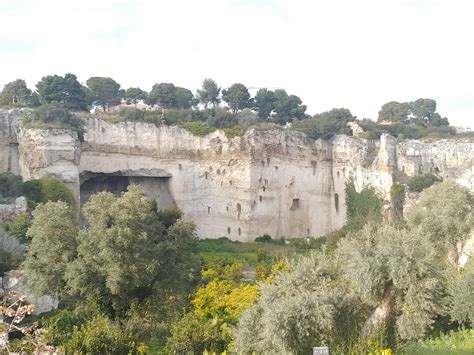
(277, 181)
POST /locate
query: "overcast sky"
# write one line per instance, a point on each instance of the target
(356, 54)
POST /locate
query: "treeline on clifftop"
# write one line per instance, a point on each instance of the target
(211, 107)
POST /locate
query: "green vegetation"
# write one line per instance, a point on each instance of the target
(453, 343)
(198, 128)
(66, 91)
(362, 207)
(420, 182)
(130, 280)
(36, 191)
(219, 108)
(326, 124)
(11, 187)
(384, 286)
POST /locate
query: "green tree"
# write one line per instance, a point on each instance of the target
(53, 246)
(136, 259)
(461, 296)
(66, 91)
(15, 93)
(133, 95)
(397, 275)
(287, 108)
(444, 215)
(74, 95)
(326, 124)
(264, 103)
(51, 89)
(237, 97)
(394, 111)
(300, 309)
(163, 95)
(105, 91)
(184, 98)
(209, 93)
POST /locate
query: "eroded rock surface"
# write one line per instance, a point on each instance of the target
(277, 182)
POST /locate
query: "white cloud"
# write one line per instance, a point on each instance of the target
(355, 54)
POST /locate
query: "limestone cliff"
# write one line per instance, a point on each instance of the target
(277, 182)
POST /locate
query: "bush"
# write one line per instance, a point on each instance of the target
(53, 115)
(169, 216)
(362, 207)
(266, 238)
(18, 227)
(235, 131)
(48, 189)
(421, 182)
(59, 327)
(198, 128)
(11, 187)
(458, 342)
(100, 336)
(192, 334)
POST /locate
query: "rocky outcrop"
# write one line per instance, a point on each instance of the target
(8, 142)
(52, 152)
(8, 211)
(15, 283)
(277, 181)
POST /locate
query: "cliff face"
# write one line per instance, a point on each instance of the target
(8, 142)
(276, 182)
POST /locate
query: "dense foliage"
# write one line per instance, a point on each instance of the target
(219, 108)
(420, 182)
(399, 281)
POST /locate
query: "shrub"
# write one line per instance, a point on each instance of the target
(11, 187)
(53, 115)
(192, 334)
(362, 207)
(48, 189)
(100, 336)
(266, 238)
(18, 227)
(198, 128)
(59, 327)
(421, 182)
(458, 342)
(235, 131)
(169, 216)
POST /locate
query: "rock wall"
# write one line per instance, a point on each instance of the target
(13, 209)
(8, 142)
(277, 182)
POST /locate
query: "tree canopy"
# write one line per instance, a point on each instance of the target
(104, 91)
(237, 97)
(421, 112)
(137, 257)
(209, 93)
(16, 93)
(64, 90)
(167, 95)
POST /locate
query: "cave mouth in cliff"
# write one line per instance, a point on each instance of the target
(155, 187)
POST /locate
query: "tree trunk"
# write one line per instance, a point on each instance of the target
(380, 315)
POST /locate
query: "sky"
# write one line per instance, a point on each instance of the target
(331, 53)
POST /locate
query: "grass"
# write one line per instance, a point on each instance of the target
(251, 254)
(453, 343)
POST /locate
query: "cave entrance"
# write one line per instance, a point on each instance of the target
(155, 187)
